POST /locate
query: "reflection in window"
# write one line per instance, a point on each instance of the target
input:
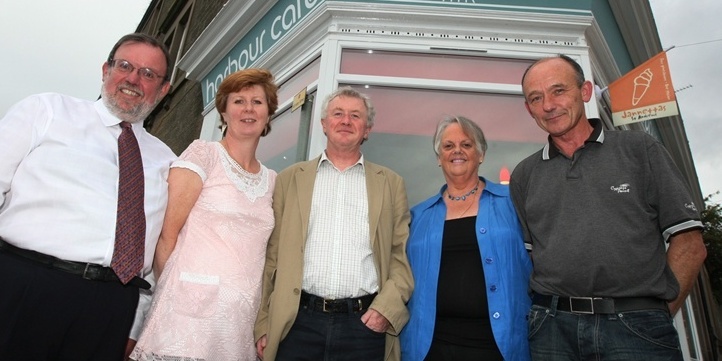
(433, 66)
(299, 81)
(279, 148)
(406, 120)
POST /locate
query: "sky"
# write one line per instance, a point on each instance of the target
(695, 62)
(62, 46)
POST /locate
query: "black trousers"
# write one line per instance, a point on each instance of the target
(443, 351)
(48, 314)
(320, 336)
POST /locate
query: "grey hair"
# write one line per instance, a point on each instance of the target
(350, 92)
(471, 129)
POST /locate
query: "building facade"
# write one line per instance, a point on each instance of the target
(420, 61)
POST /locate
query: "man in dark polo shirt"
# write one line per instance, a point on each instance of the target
(599, 209)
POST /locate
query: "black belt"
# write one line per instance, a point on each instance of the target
(341, 305)
(89, 271)
(600, 305)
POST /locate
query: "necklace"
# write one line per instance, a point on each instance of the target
(463, 197)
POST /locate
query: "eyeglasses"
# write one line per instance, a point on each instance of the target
(126, 67)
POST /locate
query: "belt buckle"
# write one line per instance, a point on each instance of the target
(85, 272)
(324, 305)
(588, 299)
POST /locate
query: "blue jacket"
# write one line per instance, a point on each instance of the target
(506, 270)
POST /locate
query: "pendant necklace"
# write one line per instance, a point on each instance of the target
(463, 197)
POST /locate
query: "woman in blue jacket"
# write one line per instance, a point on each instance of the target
(470, 266)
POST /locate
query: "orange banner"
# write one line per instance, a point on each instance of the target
(644, 93)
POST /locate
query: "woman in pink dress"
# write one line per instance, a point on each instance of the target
(212, 248)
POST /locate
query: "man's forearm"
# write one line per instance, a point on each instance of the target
(685, 257)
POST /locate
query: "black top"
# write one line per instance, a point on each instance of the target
(462, 311)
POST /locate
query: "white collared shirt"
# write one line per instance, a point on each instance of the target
(338, 261)
(59, 178)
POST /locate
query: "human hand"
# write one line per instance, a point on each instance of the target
(129, 348)
(260, 346)
(375, 321)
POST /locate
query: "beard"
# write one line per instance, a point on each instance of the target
(131, 114)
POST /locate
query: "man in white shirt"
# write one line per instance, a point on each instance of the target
(336, 279)
(59, 184)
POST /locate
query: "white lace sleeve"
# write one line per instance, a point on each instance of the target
(197, 157)
(192, 166)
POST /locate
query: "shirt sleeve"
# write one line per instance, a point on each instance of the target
(518, 195)
(20, 130)
(669, 193)
(143, 306)
(197, 158)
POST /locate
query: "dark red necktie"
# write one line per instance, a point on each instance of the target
(129, 250)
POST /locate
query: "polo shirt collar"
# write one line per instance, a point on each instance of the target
(550, 150)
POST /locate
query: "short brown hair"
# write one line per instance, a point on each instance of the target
(247, 78)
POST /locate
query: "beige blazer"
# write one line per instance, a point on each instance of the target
(282, 277)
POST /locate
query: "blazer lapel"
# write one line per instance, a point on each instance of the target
(305, 179)
(375, 180)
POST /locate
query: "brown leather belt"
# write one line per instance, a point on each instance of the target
(89, 271)
(600, 305)
(341, 305)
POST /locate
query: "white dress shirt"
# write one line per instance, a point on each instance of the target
(59, 178)
(338, 261)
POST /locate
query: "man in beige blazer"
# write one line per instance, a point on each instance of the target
(336, 279)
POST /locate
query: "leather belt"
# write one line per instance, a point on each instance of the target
(341, 305)
(89, 271)
(600, 305)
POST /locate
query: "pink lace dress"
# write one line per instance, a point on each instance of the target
(206, 300)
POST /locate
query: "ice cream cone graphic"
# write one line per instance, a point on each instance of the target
(636, 98)
(641, 84)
